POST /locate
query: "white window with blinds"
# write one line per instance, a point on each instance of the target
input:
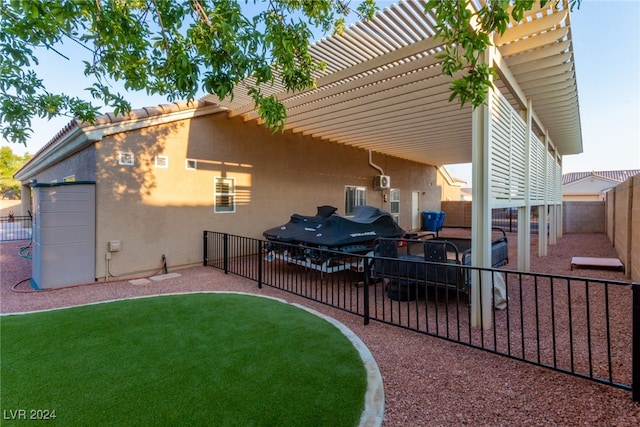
(224, 195)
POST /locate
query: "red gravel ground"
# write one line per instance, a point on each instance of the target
(427, 381)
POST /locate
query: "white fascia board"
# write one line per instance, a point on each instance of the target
(108, 129)
(69, 144)
(447, 176)
(80, 137)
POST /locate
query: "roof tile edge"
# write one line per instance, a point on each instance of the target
(135, 114)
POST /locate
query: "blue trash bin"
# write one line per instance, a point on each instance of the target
(440, 221)
(432, 220)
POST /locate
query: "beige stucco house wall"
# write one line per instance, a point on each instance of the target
(160, 206)
(451, 186)
(7, 206)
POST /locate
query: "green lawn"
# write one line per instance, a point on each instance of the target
(197, 359)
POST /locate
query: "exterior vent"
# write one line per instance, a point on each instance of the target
(381, 182)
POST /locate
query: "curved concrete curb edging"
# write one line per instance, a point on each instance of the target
(373, 413)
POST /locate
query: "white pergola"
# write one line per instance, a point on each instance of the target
(383, 90)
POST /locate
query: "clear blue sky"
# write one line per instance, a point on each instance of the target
(606, 44)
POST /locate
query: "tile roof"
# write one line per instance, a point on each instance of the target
(113, 119)
(619, 175)
(135, 114)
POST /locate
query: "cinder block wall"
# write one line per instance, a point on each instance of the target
(633, 270)
(584, 217)
(623, 228)
(457, 213)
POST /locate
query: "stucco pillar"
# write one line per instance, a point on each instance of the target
(25, 199)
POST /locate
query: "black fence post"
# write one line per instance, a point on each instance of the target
(225, 252)
(635, 340)
(205, 256)
(260, 264)
(367, 274)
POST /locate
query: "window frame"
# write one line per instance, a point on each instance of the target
(161, 166)
(217, 207)
(360, 195)
(126, 158)
(394, 198)
(190, 168)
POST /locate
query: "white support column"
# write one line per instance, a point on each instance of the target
(524, 213)
(524, 238)
(553, 208)
(542, 230)
(559, 217)
(559, 207)
(481, 299)
(543, 219)
(553, 225)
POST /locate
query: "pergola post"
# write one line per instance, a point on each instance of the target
(481, 282)
(542, 229)
(543, 210)
(524, 212)
(559, 206)
(553, 224)
(554, 208)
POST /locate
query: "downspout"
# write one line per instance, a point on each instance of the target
(373, 165)
(379, 169)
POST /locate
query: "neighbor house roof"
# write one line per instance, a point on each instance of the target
(617, 176)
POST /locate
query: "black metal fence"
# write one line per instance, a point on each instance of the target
(507, 219)
(585, 327)
(15, 228)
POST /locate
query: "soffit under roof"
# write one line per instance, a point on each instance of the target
(383, 88)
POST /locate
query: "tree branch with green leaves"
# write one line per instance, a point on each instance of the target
(467, 33)
(176, 49)
(182, 48)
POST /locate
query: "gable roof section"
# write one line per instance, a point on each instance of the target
(383, 89)
(77, 135)
(614, 176)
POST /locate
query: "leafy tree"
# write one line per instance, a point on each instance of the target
(467, 35)
(178, 48)
(9, 164)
